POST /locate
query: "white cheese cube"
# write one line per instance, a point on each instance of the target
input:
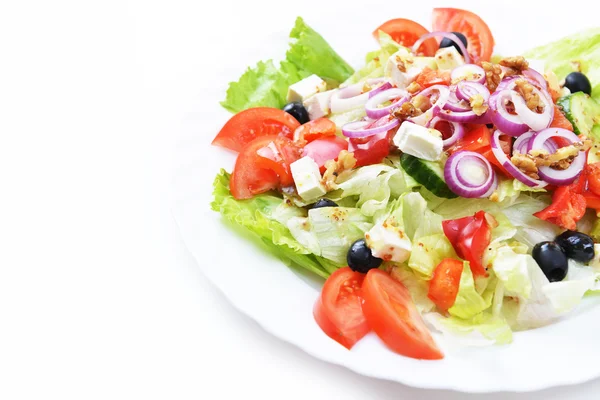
(419, 141)
(388, 242)
(305, 88)
(318, 105)
(538, 65)
(402, 67)
(307, 178)
(448, 58)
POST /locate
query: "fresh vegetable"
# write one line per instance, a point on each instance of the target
(470, 236)
(568, 206)
(371, 150)
(391, 313)
(317, 129)
(480, 41)
(244, 127)
(427, 173)
(338, 310)
(552, 260)
(325, 149)
(578, 82)
(581, 111)
(360, 259)
(445, 282)
(446, 42)
(577, 246)
(560, 121)
(297, 110)
(324, 203)
(469, 174)
(431, 77)
(406, 33)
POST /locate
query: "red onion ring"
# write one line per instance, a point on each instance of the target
(469, 73)
(352, 96)
(454, 104)
(466, 117)
(554, 176)
(448, 35)
(458, 131)
(509, 166)
(466, 90)
(458, 179)
(532, 119)
(536, 76)
(385, 85)
(492, 188)
(372, 106)
(361, 129)
(508, 123)
(522, 144)
(443, 94)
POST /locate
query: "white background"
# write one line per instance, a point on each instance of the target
(98, 296)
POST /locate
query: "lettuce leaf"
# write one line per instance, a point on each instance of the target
(265, 85)
(416, 285)
(468, 301)
(483, 329)
(257, 216)
(428, 252)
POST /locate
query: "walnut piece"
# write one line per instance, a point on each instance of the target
(338, 169)
(413, 88)
(516, 65)
(478, 104)
(526, 164)
(406, 110)
(493, 74)
(559, 160)
(532, 99)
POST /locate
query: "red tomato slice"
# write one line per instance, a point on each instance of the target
(325, 149)
(568, 204)
(560, 121)
(593, 177)
(314, 130)
(478, 139)
(443, 287)
(338, 310)
(371, 150)
(429, 77)
(407, 32)
(262, 166)
(470, 236)
(391, 313)
(480, 41)
(249, 124)
(592, 200)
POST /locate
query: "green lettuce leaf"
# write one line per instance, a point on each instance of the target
(512, 269)
(419, 221)
(257, 216)
(416, 285)
(265, 85)
(481, 330)
(428, 252)
(510, 189)
(578, 52)
(468, 301)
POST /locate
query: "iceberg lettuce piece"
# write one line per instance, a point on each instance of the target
(468, 301)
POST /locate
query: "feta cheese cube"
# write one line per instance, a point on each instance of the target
(317, 105)
(305, 88)
(388, 242)
(402, 67)
(307, 178)
(448, 58)
(419, 141)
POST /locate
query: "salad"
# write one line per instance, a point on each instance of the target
(439, 190)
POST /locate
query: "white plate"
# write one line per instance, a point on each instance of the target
(280, 299)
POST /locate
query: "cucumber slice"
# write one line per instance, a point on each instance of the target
(428, 173)
(581, 110)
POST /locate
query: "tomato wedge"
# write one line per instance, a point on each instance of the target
(263, 165)
(315, 129)
(592, 172)
(338, 310)
(480, 41)
(470, 236)
(444, 285)
(391, 313)
(245, 126)
(568, 205)
(429, 77)
(407, 32)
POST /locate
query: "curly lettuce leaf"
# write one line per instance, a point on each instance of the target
(257, 215)
(266, 85)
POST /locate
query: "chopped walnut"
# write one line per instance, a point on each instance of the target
(526, 90)
(406, 110)
(526, 164)
(338, 169)
(478, 104)
(414, 88)
(563, 157)
(493, 74)
(421, 102)
(515, 64)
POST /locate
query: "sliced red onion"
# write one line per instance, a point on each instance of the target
(382, 85)
(536, 76)
(448, 35)
(509, 166)
(466, 90)
(521, 145)
(454, 103)
(468, 72)
(532, 119)
(458, 131)
(551, 175)
(442, 94)
(466, 117)
(469, 174)
(360, 129)
(508, 123)
(399, 96)
(492, 188)
(348, 98)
